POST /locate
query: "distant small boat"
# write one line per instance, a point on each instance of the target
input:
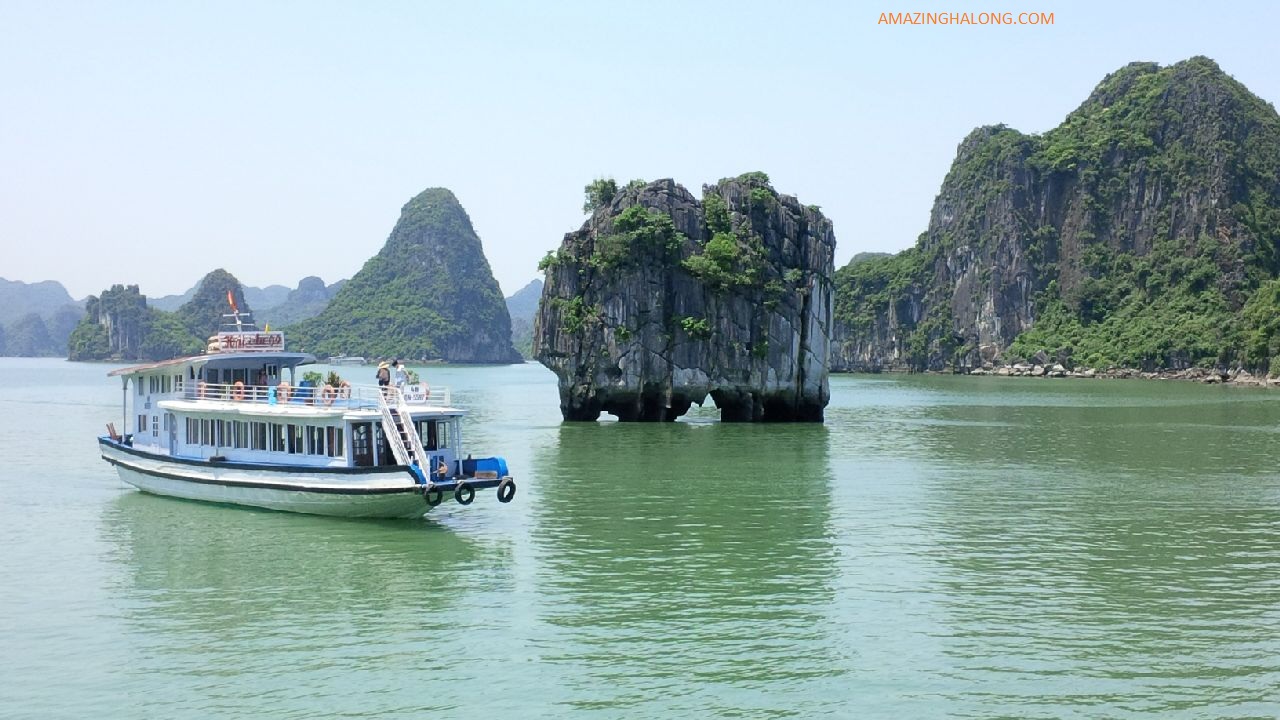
(346, 360)
(227, 427)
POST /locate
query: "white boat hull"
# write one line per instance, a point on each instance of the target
(363, 495)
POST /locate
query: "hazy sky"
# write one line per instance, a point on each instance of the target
(152, 142)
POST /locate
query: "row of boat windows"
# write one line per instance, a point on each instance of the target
(294, 439)
(160, 383)
(274, 437)
(168, 383)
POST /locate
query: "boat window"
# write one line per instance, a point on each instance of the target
(361, 447)
(315, 440)
(385, 457)
(258, 436)
(294, 434)
(155, 426)
(427, 433)
(333, 441)
(276, 431)
(442, 435)
(141, 427)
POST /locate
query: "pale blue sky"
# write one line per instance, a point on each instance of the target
(152, 142)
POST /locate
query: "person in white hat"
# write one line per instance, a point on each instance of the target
(384, 374)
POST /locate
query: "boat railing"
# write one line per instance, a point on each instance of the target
(360, 397)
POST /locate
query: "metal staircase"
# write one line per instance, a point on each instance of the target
(397, 423)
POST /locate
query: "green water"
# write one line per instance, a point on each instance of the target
(941, 547)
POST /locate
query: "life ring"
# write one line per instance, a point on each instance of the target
(237, 391)
(200, 388)
(327, 395)
(433, 496)
(506, 490)
(464, 493)
(282, 391)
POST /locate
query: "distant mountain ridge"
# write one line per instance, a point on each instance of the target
(36, 318)
(19, 298)
(306, 301)
(522, 307)
(270, 296)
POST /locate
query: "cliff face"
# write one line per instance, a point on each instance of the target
(1132, 234)
(204, 313)
(428, 294)
(119, 325)
(661, 300)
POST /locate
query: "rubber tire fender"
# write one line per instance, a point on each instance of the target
(506, 490)
(433, 496)
(464, 493)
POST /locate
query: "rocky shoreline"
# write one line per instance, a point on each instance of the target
(1233, 376)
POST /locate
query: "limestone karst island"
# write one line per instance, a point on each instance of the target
(662, 300)
(1139, 236)
(689, 361)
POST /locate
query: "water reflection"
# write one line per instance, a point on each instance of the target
(688, 563)
(1119, 556)
(239, 609)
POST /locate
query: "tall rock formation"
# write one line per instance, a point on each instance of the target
(428, 294)
(205, 313)
(660, 300)
(118, 325)
(1136, 233)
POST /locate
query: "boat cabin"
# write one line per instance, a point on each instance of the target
(243, 403)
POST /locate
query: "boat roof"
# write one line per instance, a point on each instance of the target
(286, 359)
(291, 410)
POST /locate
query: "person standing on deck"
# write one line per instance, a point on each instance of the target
(399, 374)
(384, 375)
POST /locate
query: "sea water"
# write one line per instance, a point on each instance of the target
(939, 547)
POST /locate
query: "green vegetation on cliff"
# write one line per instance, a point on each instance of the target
(118, 325)
(428, 294)
(1144, 232)
(202, 315)
(661, 300)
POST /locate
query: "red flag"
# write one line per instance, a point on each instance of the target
(232, 302)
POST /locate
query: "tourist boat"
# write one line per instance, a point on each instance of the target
(236, 425)
(346, 360)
